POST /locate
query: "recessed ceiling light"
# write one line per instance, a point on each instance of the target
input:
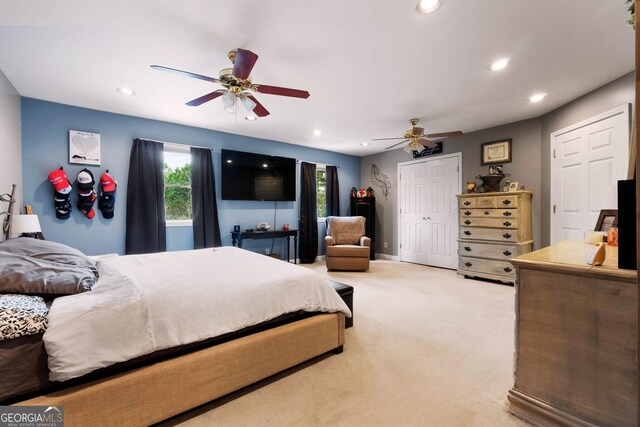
(251, 118)
(317, 132)
(538, 97)
(229, 161)
(500, 64)
(364, 144)
(126, 91)
(428, 6)
(264, 165)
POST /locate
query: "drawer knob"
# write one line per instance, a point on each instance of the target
(467, 203)
(467, 222)
(468, 264)
(467, 248)
(508, 269)
(506, 223)
(486, 212)
(506, 202)
(467, 213)
(507, 252)
(506, 235)
(467, 232)
(506, 213)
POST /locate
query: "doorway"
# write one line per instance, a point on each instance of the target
(428, 210)
(587, 160)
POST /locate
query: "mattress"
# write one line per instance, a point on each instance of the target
(24, 372)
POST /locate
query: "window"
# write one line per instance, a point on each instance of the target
(321, 191)
(177, 185)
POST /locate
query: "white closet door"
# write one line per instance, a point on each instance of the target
(412, 213)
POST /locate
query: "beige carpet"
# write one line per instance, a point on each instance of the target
(427, 348)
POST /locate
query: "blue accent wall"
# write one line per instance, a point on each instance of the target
(45, 146)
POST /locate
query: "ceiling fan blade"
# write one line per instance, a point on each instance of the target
(385, 139)
(206, 98)
(417, 131)
(427, 143)
(283, 91)
(259, 109)
(444, 134)
(395, 145)
(186, 73)
(245, 60)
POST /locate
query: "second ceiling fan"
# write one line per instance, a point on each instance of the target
(237, 85)
(417, 139)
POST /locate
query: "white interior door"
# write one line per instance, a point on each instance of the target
(428, 226)
(588, 159)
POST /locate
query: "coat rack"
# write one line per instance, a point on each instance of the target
(11, 199)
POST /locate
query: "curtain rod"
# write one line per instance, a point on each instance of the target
(316, 163)
(176, 143)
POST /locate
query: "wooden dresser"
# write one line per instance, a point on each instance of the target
(494, 227)
(575, 344)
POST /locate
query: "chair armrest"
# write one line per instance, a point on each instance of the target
(365, 241)
(329, 241)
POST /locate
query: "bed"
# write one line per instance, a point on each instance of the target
(156, 335)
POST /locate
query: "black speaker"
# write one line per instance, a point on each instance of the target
(627, 224)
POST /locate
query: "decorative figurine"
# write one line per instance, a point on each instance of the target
(354, 192)
(369, 192)
(471, 187)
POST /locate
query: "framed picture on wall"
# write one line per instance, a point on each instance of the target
(84, 148)
(496, 152)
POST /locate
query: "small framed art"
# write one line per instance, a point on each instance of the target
(513, 186)
(496, 152)
(607, 219)
(84, 148)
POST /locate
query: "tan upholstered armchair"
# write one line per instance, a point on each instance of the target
(346, 246)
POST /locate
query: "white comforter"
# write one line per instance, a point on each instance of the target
(144, 303)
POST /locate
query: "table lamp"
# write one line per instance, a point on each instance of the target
(25, 225)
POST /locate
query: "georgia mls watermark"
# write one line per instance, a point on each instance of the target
(31, 416)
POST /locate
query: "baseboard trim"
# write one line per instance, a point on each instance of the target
(540, 413)
(387, 257)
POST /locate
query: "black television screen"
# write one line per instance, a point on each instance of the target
(249, 176)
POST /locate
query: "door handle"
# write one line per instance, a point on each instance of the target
(506, 235)
(507, 252)
(468, 264)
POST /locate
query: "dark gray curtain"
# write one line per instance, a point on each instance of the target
(333, 191)
(146, 226)
(308, 214)
(206, 228)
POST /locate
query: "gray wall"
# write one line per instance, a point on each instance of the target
(10, 146)
(524, 169)
(619, 92)
(531, 158)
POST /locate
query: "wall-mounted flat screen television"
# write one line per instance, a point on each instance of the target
(249, 176)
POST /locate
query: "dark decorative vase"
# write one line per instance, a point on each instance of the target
(491, 182)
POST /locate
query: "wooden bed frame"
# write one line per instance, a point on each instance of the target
(164, 389)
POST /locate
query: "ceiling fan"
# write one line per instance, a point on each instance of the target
(417, 139)
(237, 85)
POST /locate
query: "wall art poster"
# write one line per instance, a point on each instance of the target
(84, 148)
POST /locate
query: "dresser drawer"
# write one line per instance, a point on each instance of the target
(489, 213)
(489, 250)
(502, 268)
(467, 202)
(489, 222)
(494, 234)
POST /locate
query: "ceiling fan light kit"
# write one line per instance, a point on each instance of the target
(237, 85)
(417, 139)
(428, 6)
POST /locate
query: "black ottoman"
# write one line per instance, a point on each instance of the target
(346, 293)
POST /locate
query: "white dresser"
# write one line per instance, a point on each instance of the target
(494, 227)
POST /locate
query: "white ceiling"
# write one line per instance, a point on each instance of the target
(369, 65)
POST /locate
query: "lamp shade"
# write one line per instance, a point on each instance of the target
(25, 224)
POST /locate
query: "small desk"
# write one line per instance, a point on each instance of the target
(239, 236)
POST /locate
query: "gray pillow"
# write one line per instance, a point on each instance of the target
(23, 274)
(48, 251)
(41, 267)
